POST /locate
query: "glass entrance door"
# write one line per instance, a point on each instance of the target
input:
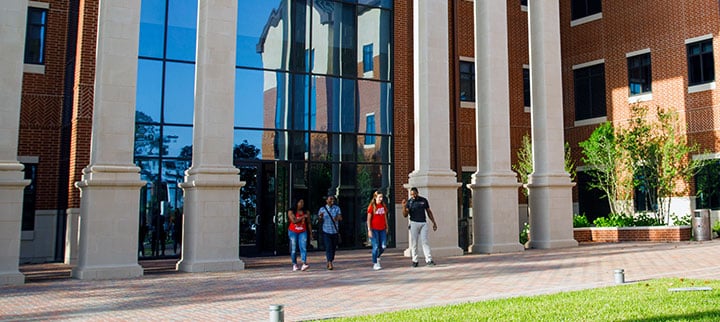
(263, 202)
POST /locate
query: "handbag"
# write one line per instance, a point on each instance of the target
(334, 224)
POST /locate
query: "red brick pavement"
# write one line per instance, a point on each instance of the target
(353, 288)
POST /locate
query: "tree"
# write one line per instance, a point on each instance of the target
(524, 166)
(661, 154)
(609, 164)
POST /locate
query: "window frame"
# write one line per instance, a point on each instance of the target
(702, 56)
(467, 102)
(636, 64)
(590, 78)
(41, 27)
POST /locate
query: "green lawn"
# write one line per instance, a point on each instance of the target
(641, 301)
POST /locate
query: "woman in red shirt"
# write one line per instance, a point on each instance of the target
(298, 230)
(377, 223)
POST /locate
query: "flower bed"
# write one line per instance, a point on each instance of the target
(640, 233)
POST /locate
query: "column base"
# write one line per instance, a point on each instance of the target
(12, 278)
(210, 266)
(553, 244)
(107, 273)
(496, 248)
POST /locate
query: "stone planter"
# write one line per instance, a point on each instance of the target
(642, 233)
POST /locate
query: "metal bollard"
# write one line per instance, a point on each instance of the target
(276, 313)
(619, 276)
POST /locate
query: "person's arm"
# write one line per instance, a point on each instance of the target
(369, 219)
(291, 216)
(406, 211)
(387, 225)
(430, 215)
(309, 225)
(338, 218)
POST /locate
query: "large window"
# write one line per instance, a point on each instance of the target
(584, 8)
(526, 87)
(700, 62)
(707, 186)
(467, 81)
(639, 74)
(35, 36)
(590, 92)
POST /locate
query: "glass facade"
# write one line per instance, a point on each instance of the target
(308, 73)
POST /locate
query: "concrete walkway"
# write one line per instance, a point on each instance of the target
(353, 288)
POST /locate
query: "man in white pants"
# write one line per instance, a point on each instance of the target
(417, 207)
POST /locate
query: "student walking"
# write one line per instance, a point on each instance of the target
(377, 223)
(416, 208)
(330, 215)
(298, 230)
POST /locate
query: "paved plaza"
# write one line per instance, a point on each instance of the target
(353, 288)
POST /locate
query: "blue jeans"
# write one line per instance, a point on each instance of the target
(298, 240)
(331, 242)
(379, 242)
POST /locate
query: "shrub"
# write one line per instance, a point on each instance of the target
(716, 227)
(681, 221)
(614, 220)
(645, 219)
(580, 221)
(525, 233)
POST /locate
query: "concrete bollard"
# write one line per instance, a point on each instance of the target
(619, 276)
(276, 313)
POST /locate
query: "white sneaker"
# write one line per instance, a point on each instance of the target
(295, 268)
(377, 266)
(304, 267)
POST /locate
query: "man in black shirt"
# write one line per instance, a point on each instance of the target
(417, 207)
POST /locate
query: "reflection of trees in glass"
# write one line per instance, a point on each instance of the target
(708, 186)
(147, 136)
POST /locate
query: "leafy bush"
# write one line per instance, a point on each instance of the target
(580, 221)
(716, 227)
(525, 233)
(614, 220)
(681, 221)
(645, 219)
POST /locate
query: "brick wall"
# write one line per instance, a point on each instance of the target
(41, 108)
(621, 234)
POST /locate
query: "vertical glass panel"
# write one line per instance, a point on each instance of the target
(244, 150)
(273, 35)
(377, 151)
(177, 141)
(334, 147)
(147, 139)
(269, 145)
(257, 95)
(334, 39)
(173, 175)
(377, 3)
(149, 90)
(152, 28)
(335, 104)
(149, 169)
(375, 98)
(374, 31)
(179, 93)
(371, 177)
(182, 29)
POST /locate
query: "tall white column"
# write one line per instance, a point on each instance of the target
(549, 185)
(494, 185)
(13, 14)
(432, 175)
(212, 185)
(110, 185)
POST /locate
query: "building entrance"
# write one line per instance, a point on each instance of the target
(263, 202)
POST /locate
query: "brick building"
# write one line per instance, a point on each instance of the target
(413, 121)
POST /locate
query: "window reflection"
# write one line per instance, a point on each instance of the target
(177, 141)
(334, 38)
(179, 93)
(152, 28)
(149, 88)
(181, 29)
(373, 36)
(375, 97)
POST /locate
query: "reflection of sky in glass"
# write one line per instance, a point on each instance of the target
(252, 17)
(179, 92)
(149, 88)
(152, 21)
(177, 137)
